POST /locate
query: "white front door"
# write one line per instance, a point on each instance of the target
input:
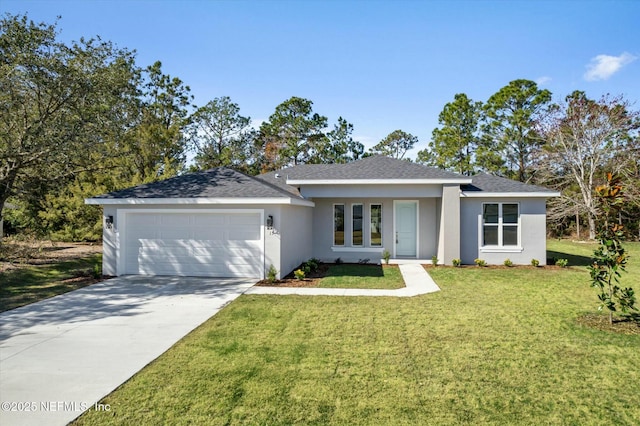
(406, 228)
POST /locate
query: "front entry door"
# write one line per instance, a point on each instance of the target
(406, 225)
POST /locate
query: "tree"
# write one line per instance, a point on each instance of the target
(509, 129)
(454, 144)
(219, 135)
(395, 145)
(60, 105)
(341, 146)
(582, 137)
(610, 257)
(293, 135)
(156, 146)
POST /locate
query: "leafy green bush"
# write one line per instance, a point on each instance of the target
(434, 260)
(299, 274)
(535, 262)
(562, 263)
(311, 265)
(272, 273)
(508, 263)
(480, 262)
(456, 262)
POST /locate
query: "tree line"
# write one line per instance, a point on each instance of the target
(82, 118)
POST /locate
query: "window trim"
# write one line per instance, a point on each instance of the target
(362, 218)
(333, 224)
(369, 222)
(500, 247)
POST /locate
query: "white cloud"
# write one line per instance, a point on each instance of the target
(541, 81)
(604, 66)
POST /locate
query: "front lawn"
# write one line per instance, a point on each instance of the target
(495, 346)
(28, 284)
(386, 277)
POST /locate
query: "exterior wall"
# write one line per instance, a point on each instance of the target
(449, 225)
(295, 226)
(532, 229)
(323, 229)
(272, 238)
(372, 191)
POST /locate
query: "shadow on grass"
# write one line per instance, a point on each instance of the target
(355, 270)
(574, 259)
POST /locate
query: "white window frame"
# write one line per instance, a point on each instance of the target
(333, 224)
(369, 222)
(500, 225)
(353, 205)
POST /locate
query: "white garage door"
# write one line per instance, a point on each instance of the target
(193, 244)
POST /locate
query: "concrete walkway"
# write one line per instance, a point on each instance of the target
(416, 279)
(60, 356)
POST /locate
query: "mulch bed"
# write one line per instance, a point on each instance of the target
(624, 325)
(311, 280)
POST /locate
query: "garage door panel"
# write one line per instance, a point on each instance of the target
(197, 244)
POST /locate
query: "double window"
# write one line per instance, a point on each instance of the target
(500, 224)
(358, 231)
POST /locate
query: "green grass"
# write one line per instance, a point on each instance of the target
(24, 285)
(495, 346)
(362, 276)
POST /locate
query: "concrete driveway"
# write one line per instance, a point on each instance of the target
(60, 356)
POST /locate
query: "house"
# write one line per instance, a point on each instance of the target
(221, 222)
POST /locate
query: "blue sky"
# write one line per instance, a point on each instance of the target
(382, 65)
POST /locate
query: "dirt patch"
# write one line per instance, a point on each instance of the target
(14, 254)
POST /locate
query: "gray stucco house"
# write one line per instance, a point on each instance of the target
(224, 223)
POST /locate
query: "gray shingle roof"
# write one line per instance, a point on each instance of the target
(374, 167)
(489, 183)
(220, 182)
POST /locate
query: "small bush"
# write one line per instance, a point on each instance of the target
(480, 262)
(272, 274)
(386, 256)
(299, 274)
(97, 271)
(562, 263)
(434, 260)
(508, 263)
(338, 261)
(535, 262)
(313, 264)
(456, 262)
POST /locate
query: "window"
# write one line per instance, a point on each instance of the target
(376, 225)
(500, 224)
(338, 224)
(356, 230)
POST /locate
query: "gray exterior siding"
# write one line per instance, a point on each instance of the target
(296, 237)
(323, 229)
(532, 229)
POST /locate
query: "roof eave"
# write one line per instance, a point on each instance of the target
(483, 194)
(192, 201)
(456, 181)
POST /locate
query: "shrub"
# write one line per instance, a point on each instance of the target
(338, 261)
(562, 263)
(535, 262)
(271, 274)
(456, 262)
(480, 262)
(386, 256)
(97, 271)
(299, 274)
(434, 260)
(508, 263)
(311, 265)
